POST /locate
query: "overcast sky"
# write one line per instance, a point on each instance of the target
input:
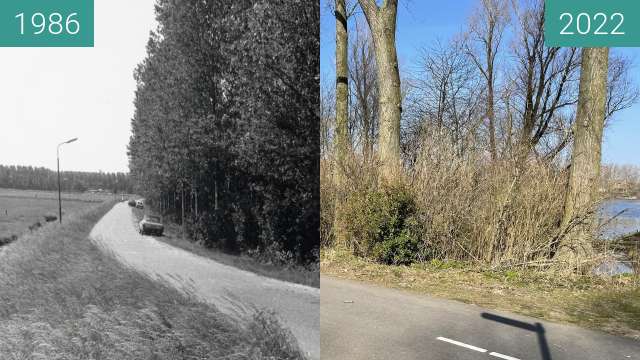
(49, 95)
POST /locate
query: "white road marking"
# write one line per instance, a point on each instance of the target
(501, 356)
(475, 348)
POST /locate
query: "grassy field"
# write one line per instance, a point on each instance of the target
(606, 304)
(20, 209)
(294, 273)
(63, 298)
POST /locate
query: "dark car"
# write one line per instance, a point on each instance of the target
(151, 224)
(131, 203)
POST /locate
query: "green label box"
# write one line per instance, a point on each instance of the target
(592, 23)
(46, 23)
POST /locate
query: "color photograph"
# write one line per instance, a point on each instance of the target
(480, 177)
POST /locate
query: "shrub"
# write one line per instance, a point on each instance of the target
(402, 249)
(380, 224)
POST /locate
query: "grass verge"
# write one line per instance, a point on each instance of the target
(62, 298)
(611, 305)
(309, 276)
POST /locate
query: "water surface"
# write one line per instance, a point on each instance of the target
(626, 222)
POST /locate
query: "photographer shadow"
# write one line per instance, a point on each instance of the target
(537, 328)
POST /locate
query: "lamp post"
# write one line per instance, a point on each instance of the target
(59, 191)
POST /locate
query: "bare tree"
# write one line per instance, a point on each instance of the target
(584, 174)
(342, 141)
(546, 80)
(622, 93)
(342, 136)
(362, 72)
(486, 30)
(382, 22)
(446, 92)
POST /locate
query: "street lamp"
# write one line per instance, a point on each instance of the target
(59, 196)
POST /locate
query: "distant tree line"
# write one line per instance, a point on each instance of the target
(39, 178)
(621, 180)
(225, 130)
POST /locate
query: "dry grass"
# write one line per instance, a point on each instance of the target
(309, 275)
(608, 304)
(62, 298)
(462, 206)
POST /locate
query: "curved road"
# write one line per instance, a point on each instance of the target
(364, 322)
(228, 288)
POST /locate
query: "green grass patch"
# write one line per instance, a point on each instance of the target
(63, 298)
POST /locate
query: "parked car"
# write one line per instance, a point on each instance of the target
(131, 203)
(140, 204)
(151, 224)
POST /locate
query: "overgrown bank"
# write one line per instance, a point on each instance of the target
(606, 304)
(61, 297)
(269, 265)
(448, 207)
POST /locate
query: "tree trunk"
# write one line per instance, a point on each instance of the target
(582, 188)
(182, 208)
(382, 22)
(342, 81)
(342, 115)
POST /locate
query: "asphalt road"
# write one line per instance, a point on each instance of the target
(226, 287)
(360, 321)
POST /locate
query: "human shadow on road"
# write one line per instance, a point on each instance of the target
(537, 328)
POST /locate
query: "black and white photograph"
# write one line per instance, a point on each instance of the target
(160, 190)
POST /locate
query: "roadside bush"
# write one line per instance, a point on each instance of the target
(380, 224)
(400, 249)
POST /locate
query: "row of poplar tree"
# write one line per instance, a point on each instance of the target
(225, 130)
(39, 178)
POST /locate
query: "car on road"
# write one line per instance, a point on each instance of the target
(140, 204)
(151, 224)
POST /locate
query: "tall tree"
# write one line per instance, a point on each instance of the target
(584, 174)
(545, 79)
(342, 141)
(227, 120)
(382, 22)
(485, 37)
(342, 85)
(362, 73)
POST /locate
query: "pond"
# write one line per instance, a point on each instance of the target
(620, 217)
(626, 221)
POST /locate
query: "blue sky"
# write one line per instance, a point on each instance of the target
(422, 22)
